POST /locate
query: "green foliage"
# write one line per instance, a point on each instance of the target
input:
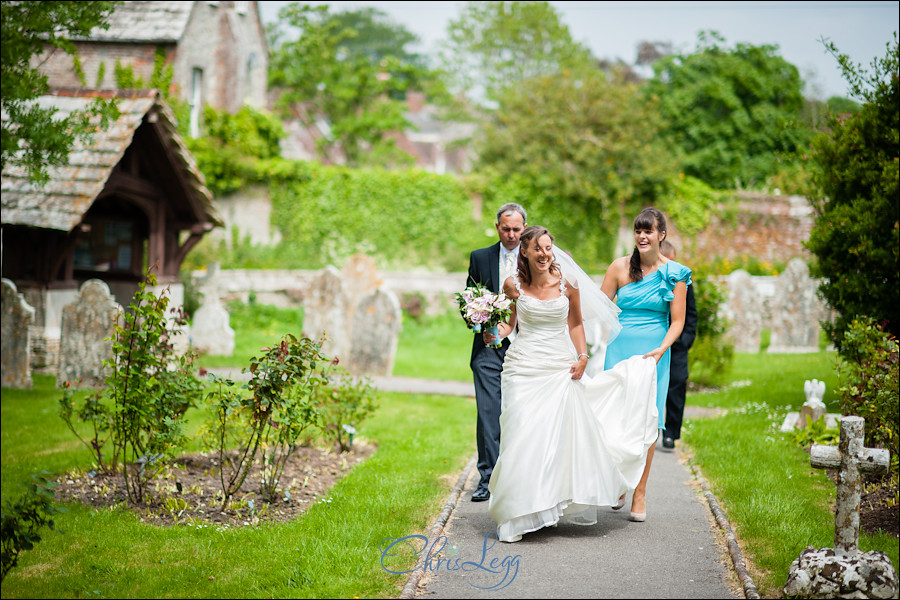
(161, 79)
(151, 387)
(272, 419)
(579, 151)
(92, 411)
(712, 354)
(815, 432)
(23, 520)
(856, 236)
(494, 46)
(730, 112)
(33, 137)
(407, 218)
(229, 153)
(692, 202)
(345, 402)
(870, 385)
(319, 79)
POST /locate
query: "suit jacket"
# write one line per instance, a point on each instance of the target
(678, 368)
(484, 268)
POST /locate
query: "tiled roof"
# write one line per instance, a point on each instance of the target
(72, 188)
(146, 21)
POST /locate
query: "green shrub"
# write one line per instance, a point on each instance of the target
(855, 237)
(272, 419)
(345, 402)
(869, 382)
(406, 218)
(23, 519)
(148, 390)
(711, 356)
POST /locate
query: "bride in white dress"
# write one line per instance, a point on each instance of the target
(569, 441)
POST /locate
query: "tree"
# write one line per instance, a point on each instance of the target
(32, 136)
(857, 210)
(324, 81)
(493, 45)
(731, 112)
(581, 152)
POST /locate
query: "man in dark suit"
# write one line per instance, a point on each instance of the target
(490, 267)
(678, 370)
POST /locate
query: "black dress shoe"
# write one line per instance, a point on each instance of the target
(668, 443)
(480, 495)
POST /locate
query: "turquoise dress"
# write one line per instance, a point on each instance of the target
(645, 321)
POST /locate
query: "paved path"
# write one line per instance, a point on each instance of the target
(674, 554)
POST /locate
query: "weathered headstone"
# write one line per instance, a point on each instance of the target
(17, 316)
(376, 329)
(795, 311)
(325, 312)
(844, 571)
(85, 338)
(745, 310)
(211, 332)
(360, 276)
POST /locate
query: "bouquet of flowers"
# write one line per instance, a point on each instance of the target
(484, 310)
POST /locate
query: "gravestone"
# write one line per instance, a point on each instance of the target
(17, 316)
(325, 312)
(376, 329)
(86, 335)
(844, 571)
(814, 408)
(745, 310)
(360, 277)
(795, 311)
(211, 332)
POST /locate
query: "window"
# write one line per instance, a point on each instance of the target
(107, 246)
(196, 101)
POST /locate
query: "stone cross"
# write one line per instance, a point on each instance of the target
(851, 459)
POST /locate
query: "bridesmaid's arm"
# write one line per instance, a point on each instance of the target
(576, 332)
(676, 320)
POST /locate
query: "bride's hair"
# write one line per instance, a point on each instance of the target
(528, 239)
(646, 219)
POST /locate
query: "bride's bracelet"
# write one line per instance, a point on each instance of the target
(584, 355)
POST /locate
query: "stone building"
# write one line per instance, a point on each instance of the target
(217, 51)
(129, 198)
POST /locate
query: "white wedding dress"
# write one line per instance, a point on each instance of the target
(566, 446)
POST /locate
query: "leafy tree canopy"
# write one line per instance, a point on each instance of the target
(855, 237)
(493, 45)
(576, 150)
(731, 112)
(32, 136)
(330, 74)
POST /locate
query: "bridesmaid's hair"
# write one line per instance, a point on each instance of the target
(529, 238)
(646, 219)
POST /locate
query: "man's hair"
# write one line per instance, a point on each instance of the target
(512, 206)
(667, 248)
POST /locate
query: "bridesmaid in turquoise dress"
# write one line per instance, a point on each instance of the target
(651, 290)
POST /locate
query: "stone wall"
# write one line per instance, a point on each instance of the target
(763, 227)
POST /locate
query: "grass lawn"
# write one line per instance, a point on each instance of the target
(331, 552)
(776, 502)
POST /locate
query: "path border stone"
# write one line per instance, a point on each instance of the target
(412, 584)
(734, 549)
